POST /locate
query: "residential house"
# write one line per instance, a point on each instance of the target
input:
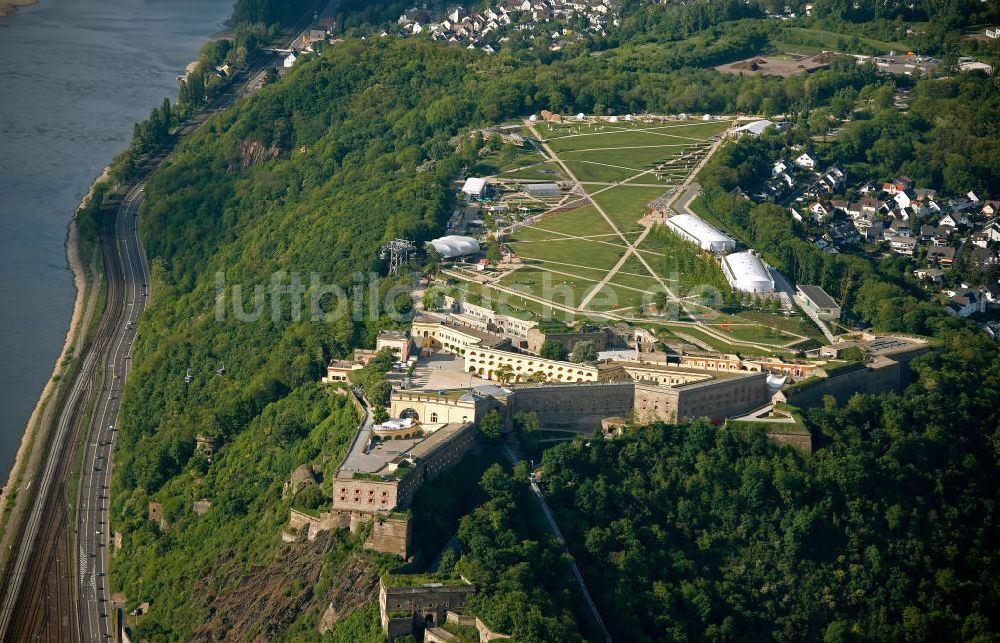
(982, 257)
(898, 185)
(869, 226)
(833, 178)
(992, 231)
(991, 292)
(901, 245)
(900, 227)
(980, 239)
(965, 302)
(805, 161)
(821, 209)
(949, 221)
(943, 257)
(869, 204)
(933, 275)
(903, 199)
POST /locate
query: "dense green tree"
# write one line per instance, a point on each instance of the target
(553, 349)
(491, 425)
(584, 352)
(696, 530)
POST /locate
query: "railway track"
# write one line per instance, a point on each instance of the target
(38, 597)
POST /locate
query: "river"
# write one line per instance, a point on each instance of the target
(75, 75)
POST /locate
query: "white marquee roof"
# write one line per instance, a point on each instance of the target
(757, 127)
(454, 245)
(748, 272)
(694, 226)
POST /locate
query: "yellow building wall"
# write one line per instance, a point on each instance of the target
(484, 362)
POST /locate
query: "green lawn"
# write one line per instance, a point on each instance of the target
(638, 282)
(596, 172)
(543, 171)
(500, 161)
(798, 323)
(584, 221)
(513, 305)
(582, 253)
(754, 333)
(534, 266)
(625, 204)
(542, 233)
(612, 296)
(629, 134)
(638, 158)
(537, 282)
(830, 40)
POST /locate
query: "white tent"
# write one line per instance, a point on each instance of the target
(697, 231)
(755, 128)
(747, 273)
(454, 245)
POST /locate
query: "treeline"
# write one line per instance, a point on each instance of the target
(659, 21)
(362, 16)
(310, 176)
(945, 139)
(888, 532)
(687, 263)
(522, 572)
(271, 12)
(219, 63)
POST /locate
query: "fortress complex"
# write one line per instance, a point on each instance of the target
(431, 430)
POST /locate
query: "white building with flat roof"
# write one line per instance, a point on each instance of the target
(747, 273)
(474, 187)
(697, 231)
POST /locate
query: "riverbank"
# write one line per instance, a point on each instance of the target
(24, 463)
(9, 6)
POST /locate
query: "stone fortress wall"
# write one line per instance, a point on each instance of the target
(580, 406)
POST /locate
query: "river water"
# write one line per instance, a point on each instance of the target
(75, 75)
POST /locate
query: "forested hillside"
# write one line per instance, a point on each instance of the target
(360, 145)
(887, 533)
